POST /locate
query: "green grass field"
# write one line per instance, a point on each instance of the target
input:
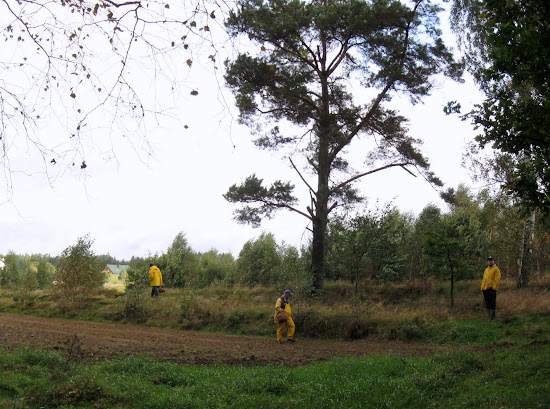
(489, 378)
(499, 364)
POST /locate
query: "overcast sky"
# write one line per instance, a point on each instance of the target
(133, 203)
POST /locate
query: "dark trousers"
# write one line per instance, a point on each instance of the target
(155, 291)
(490, 297)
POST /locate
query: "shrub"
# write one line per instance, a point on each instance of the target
(80, 272)
(135, 306)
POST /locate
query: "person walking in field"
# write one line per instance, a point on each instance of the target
(155, 279)
(489, 286)
(283, 306)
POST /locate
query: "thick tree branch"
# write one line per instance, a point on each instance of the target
(283, 206)
(335, 63)
(391, 165)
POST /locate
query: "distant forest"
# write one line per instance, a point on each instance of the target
(384, 245)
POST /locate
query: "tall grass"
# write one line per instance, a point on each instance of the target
(500, 378)
(410, 311)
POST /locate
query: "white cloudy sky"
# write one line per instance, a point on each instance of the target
(137, 203)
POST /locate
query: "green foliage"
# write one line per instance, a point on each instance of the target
(259, 261)
(278, 195)
(180, 264)
(511, 49)
(294, 271)
(45, 274)
(214, 267)
(135, 306)
(138, 276)
(452, 247)
(80, 272)
(368, 245)
(264, 262)
(11, 274)
(453, 244)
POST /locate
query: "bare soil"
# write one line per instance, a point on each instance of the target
(97, 341)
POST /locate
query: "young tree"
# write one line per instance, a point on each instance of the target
(214, 266)
(293, 273)
(12, 272)
(28, 281)
(349, 241)
(138, 277)
(180, 263)
(418, 263)
(450, 245)
(369, 243)
(80, 272)
(259, 261)
(311, 59)
(45, 273)
(453, 243)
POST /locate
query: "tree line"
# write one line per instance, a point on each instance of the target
(382, 245)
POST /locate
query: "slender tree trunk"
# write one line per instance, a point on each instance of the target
(526, 254)
(452, 280)
(320, 220)
(452, 288)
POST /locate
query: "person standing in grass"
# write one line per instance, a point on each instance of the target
(489, 286)
(155, 278)
(283, 304)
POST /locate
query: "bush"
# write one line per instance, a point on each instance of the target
(135, 306)
(137, 277)
(80, 273)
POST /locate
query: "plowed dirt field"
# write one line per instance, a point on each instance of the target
(96, 341)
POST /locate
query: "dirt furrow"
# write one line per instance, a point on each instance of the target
(92, 340)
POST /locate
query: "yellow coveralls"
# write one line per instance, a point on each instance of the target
(289, 323)
(491, 278)
(155, 276)
(489, 286)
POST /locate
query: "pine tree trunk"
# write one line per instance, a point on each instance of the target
(318, 255)
(320, 220)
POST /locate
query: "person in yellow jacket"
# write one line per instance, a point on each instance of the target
(155, 278)
(489, 286)
(283, 304)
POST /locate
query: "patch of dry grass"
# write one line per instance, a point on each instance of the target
(389, 311)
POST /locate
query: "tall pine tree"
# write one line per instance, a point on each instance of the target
(331, 67)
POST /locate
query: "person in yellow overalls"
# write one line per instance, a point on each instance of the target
(155, 279)
(489, 286)
(283, 304)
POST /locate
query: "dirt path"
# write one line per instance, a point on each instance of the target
(95, 341)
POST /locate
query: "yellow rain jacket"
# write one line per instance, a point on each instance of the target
(491, 278)
(155, 276)
(278, 309)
